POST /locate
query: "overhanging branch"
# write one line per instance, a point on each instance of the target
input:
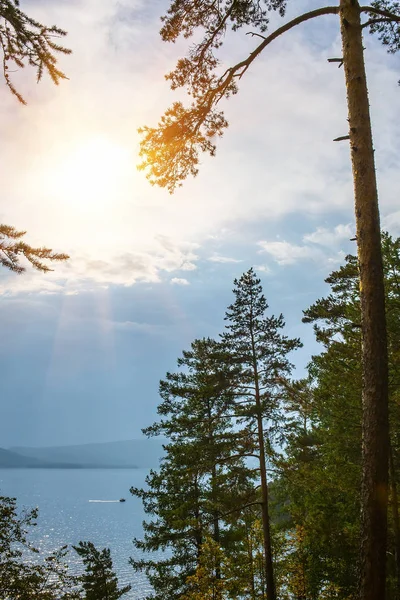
(240, 68)
(171, 151)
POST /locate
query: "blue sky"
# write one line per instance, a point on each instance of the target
(85, 346)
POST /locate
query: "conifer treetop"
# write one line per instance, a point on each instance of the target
(99, 580)
(250, 330)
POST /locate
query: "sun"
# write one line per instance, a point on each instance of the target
(92, 174)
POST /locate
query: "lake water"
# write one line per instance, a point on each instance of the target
(67, 516)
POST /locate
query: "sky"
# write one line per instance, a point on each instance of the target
(84, 347)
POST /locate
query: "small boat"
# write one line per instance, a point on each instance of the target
(122, 500)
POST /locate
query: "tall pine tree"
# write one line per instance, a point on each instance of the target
(259, 351)
(203, 483)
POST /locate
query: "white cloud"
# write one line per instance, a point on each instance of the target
(263, 269)
(326, 237)
(322, 246)
(85, 272)
(217, 258)
(179, 281)
(285, 253)
(391, 223)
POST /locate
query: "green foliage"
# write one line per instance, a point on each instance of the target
(12, 248)
(322, 468)
(259, 352)
(204, 584)
(99, 581)
(217, 577)
(25, 41)
(320, 474)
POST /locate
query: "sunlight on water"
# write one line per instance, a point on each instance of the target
(69, 512)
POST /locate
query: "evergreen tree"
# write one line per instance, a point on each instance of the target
(22, 578)
(203, 483)
(171, 151)
(320, 480)
(321, 473)
(259, 352)
(99, 581)
(176, 526)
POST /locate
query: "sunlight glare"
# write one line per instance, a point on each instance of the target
(93, 175)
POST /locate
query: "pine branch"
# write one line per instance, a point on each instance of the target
(12, 249)
(372, 22)
(379, 11)
(25, 41)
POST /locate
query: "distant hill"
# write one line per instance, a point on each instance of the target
(127, 454)
(13, 460)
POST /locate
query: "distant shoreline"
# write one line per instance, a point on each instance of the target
(109, 455)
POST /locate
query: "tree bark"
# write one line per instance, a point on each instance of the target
(251, 563)
(269, 567)
(395, 514)
(374, 489)
(216, 529)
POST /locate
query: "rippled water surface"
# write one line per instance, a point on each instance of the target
(67, 513)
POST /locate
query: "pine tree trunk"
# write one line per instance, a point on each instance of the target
(198, 532)
(396, 524)
(251, 563)
(375, 429)
(216, 529)
(269, 568)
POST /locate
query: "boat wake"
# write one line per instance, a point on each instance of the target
(105, 501)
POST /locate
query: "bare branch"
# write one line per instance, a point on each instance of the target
(342, 138)
(255, 34)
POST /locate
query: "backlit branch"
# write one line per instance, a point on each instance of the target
(12, 248)
(171, 151)
(25, 41)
